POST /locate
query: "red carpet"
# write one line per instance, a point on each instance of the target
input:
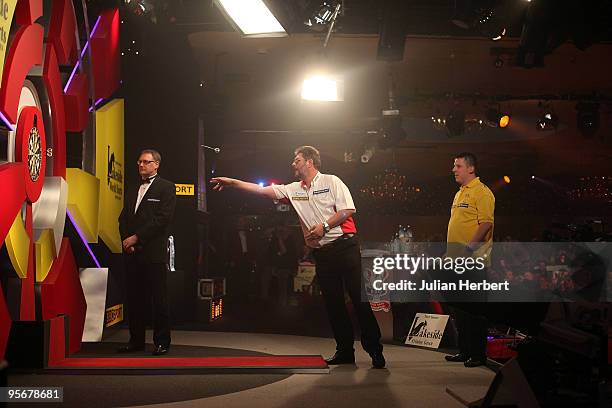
(265, 363)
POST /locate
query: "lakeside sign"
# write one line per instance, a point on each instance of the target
(427, 330)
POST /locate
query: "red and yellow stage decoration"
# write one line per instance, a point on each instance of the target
(35, 186)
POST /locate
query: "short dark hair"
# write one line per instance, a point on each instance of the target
(469, 158)
(154, 153)
(310, 153)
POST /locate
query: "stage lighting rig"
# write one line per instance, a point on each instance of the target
(548, 121)
(486, 16)
(322, 15)
(140, 7)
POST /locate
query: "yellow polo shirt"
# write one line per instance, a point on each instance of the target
(473, 204)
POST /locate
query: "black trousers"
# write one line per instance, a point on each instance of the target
(146, 282)
(338, 268)
(472, 328)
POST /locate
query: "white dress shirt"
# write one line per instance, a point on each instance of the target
(144, 187)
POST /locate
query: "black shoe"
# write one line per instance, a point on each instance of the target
(159, 350)
(130, 348)
(472, 362)
(378, 360)
(341, 358)
(457, 358)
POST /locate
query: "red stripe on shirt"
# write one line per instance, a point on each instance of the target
(348, 226)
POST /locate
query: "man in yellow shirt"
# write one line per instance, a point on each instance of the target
(470, 233)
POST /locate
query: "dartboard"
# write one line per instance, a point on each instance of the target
(34, 154)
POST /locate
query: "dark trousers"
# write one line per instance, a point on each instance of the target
(472, 328)
(338, 268)
(146, 282)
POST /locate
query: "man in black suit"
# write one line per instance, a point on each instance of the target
(144, 226)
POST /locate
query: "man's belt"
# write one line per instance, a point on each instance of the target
(336, 241)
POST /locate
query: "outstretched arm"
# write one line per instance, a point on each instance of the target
(219, 183)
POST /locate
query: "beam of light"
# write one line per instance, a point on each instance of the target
(78, 230)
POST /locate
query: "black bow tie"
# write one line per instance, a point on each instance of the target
(147, 180)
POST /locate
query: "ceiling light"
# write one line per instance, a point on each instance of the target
(252, 17)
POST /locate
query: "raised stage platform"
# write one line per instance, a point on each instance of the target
(413, 377)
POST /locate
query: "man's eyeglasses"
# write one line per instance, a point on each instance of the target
(145, 162)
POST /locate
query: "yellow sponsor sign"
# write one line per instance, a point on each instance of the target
(84, 201)
(110, 168)
(114, 315)
(185, 189)
(7, 9)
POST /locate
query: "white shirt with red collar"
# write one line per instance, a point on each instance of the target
(326, 195)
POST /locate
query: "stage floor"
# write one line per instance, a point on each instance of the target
(413, 378)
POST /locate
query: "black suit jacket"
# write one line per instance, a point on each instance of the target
(151, 223)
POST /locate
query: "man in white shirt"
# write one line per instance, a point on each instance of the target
(325, 208)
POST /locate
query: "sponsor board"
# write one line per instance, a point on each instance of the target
(185, 189)
(427, 330)
(114, 315)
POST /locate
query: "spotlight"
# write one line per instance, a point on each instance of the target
(587, 118)
(140, 7)
(507, 179)
(323, 88)
(496, 118)
(500, 35)
(367, 154)
(533, 177)
(322, 16)
(504, 121)
(548, 121)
